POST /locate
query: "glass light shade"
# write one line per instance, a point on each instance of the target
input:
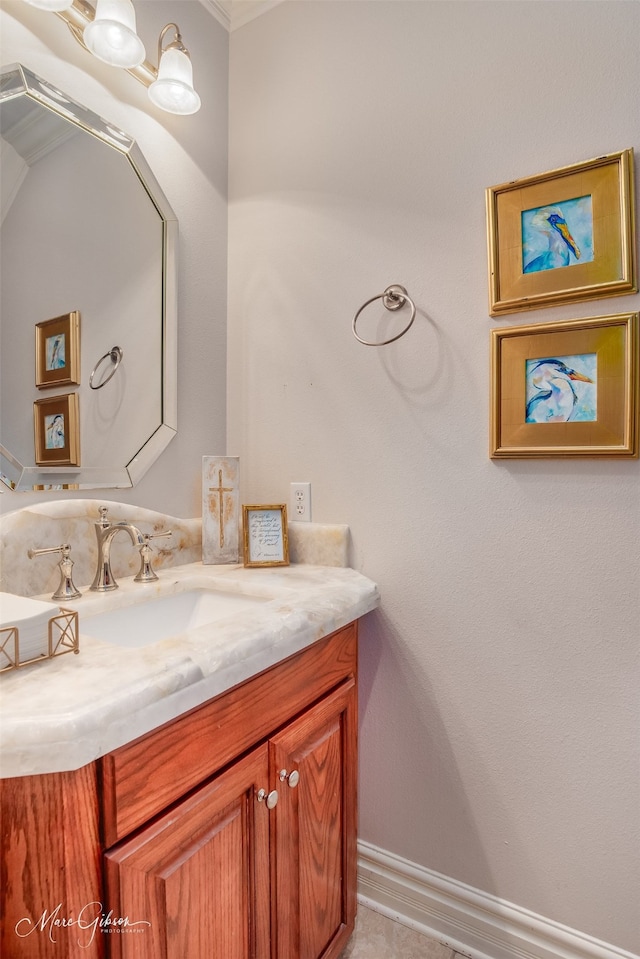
(173, 90)
(54, 5)
(111, 36)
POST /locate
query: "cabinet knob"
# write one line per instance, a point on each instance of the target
(271, 799)
(293, 778)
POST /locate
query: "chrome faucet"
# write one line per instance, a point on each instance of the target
(105, 531)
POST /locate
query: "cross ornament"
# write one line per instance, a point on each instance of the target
(220, 490)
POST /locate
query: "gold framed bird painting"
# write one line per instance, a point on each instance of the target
(564, 235)
(570, 388)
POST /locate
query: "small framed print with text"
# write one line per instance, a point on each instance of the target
(265, 535)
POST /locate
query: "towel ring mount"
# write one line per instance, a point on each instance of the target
(115, 355)
(393, 298)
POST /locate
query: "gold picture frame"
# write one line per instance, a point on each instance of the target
(265, 535)
(58, 351)
(57, 430)
(566, 389)
(534, 258)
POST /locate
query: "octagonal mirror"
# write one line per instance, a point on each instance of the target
(86, 233)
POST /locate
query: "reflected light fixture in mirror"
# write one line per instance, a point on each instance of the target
(108, 31)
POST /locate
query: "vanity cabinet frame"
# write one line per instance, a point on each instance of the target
(50, 864)
(298, 859)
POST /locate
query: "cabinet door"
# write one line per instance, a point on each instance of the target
(197, 879)
(314, 846)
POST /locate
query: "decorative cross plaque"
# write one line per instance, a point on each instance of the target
(220, 509)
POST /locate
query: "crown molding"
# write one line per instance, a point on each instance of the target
(219, 9)
(235, 13)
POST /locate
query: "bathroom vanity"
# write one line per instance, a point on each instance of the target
(223, 822)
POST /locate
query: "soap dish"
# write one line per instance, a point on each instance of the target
(32, 631)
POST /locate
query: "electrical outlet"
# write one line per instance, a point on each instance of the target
(300, 508)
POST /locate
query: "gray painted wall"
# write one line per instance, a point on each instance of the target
(499, 702)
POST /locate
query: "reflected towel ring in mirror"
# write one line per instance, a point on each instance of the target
(394, 298)
(115, 355)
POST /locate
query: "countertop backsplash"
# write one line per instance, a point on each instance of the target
(71, 521)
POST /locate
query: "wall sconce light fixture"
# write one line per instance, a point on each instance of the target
(173, 90)
(108, 31)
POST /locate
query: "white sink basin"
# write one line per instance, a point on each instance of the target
(157, 619)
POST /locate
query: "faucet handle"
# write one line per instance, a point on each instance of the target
(146, 574)
(66, 588)
(104, 516)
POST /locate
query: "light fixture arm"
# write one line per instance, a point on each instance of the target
(176, 44)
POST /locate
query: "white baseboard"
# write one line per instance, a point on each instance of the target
(472, 922)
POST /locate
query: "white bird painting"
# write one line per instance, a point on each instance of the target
(554, 237)
(552, 396)
(551, 223)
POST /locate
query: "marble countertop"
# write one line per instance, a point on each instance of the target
(63, 713)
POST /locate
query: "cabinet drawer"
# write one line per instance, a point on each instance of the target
(141, 779)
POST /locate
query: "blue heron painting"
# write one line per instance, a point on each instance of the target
(55, 352)
(554, 236)
(54, 432)
(561, 389)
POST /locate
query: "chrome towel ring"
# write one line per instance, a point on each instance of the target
(115, 355)
(394, 298)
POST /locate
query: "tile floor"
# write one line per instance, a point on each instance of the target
(377, 937)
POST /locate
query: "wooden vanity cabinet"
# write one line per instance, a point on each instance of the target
(255, 862)
(196, 881)
(196, 853)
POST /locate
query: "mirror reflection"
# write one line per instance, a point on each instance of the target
(87, 233)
